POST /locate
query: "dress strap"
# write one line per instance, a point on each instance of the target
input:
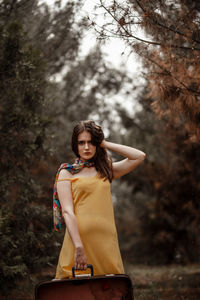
(69, 179)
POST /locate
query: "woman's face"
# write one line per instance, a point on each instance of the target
(86, 149)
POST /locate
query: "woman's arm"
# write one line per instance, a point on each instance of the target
(67, 204)
(133, 158)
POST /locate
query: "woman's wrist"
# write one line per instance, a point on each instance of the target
(79, 247)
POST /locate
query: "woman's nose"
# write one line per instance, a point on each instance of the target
(86, 146)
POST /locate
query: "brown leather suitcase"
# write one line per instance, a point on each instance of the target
(86, 287)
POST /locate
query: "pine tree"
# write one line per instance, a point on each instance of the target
(166, 35)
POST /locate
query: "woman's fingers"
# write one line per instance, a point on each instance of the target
(81, 267)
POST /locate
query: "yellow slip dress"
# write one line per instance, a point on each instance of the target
(95, 217)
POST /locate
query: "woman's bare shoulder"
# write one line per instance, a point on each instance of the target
(64, 174)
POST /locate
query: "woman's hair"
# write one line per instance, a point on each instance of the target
(102, 161)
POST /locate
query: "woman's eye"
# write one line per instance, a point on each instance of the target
(81, 143)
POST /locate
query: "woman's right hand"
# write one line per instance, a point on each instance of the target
(80, 259)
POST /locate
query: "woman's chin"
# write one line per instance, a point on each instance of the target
(87, 157)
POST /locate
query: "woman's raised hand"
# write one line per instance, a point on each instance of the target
(103, 144)
(80, 259)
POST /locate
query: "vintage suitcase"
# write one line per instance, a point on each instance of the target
(86, 287)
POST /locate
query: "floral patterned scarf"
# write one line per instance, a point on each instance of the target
(58, 219)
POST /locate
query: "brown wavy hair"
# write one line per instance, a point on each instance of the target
(102, 161)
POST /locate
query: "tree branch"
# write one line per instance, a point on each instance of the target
(164, 26)
(130, 35)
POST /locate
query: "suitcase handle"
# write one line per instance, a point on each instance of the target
(88, 267)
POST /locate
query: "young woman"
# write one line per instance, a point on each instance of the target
(82, 199)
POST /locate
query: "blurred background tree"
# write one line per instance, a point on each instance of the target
(157, 204)
(22, 132)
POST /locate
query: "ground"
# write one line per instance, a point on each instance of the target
(150, 283)
(165, 282)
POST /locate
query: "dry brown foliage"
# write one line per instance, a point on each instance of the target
(166, 35)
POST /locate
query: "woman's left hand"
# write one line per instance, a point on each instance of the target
(103, 144)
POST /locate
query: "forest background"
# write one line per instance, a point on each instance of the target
(156, 206)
